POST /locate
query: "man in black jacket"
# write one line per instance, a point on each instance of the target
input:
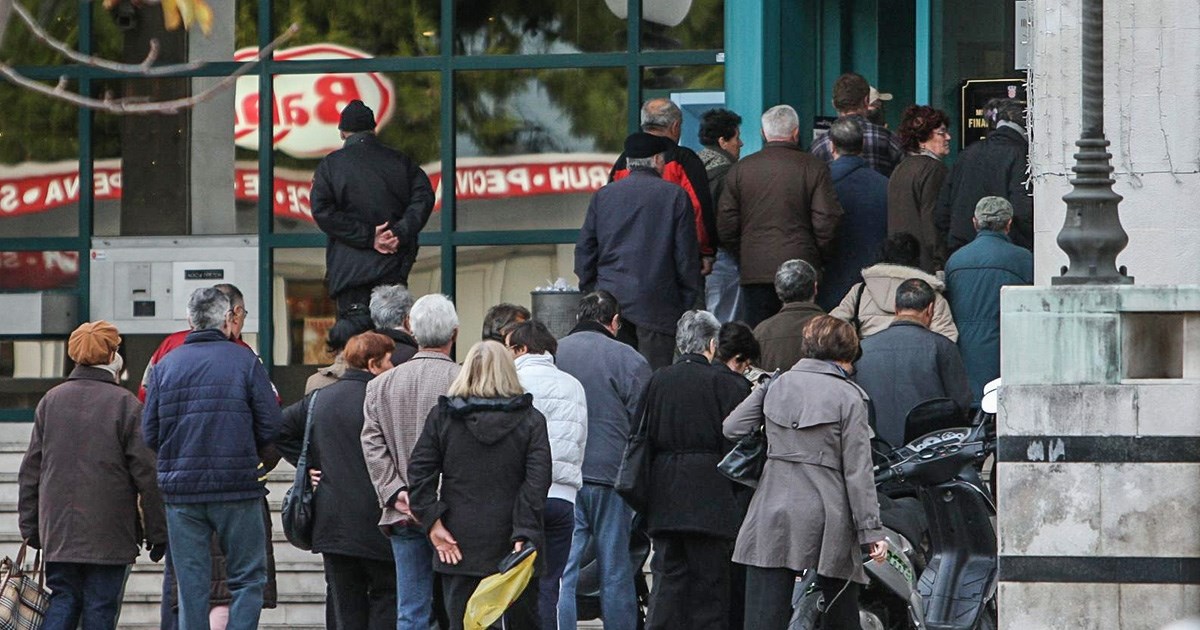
(372, 202)
(996, 166)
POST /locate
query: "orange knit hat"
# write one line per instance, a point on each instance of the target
(93, 343)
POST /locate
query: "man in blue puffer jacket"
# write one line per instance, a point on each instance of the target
(210, 409)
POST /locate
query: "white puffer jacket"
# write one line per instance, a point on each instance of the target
(560, 397)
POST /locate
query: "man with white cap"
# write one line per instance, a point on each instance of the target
(974, 275)
(852, 99)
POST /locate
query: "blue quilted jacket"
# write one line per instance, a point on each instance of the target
(209, 409)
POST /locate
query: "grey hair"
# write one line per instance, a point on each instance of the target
(660, 113)
(234, 294)
(847, 136)
(208, 308)
(433, 321)
(639, 162)
(795, 281)
(390, 304)
(695, 332)
(779, 122)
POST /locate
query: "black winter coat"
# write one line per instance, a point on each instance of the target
(685, 406)
(354, 189)
(346, 509)
(406, 346)
(492, 460)
(995, 167)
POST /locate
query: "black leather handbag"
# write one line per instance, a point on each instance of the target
(744, 463)
(297, 513)
(633, 477)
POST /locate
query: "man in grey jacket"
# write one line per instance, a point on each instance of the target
(907, 364)
(614, 378)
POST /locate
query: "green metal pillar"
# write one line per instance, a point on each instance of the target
(752, 63)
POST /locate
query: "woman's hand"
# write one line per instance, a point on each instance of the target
(314, 477)
(879, 550)
(444, 543)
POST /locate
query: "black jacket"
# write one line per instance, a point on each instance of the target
(685, 405)
(406, 346)
(492, 460)
(346, 509)
(995, 167)
(354, 189)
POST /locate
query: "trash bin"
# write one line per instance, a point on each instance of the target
(558, 310)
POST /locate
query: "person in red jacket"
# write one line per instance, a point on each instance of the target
(662, 117)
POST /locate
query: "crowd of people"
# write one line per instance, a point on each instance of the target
(816, 296)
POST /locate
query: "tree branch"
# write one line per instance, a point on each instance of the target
(145, 68)
(140, 105)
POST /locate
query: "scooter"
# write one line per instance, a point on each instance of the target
(956, 588)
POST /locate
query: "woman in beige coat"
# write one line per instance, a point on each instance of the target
(815, 506)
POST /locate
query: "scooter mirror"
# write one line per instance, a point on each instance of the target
(990, 394)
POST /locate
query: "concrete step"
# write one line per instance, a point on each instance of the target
(288, 614)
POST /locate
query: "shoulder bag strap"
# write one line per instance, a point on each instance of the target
(856, 321)
(302, 463)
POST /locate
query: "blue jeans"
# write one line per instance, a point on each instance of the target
(87, 592)
(723, 289)
(559, 517)
(414, 578)
(602, 517)
(239, 529)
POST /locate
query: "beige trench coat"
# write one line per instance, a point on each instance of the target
(815, 504)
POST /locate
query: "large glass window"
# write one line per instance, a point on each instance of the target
(682, 24)
(39, 165)
(376, 27)
(504, 273)
(501, 27)
(28, 369)
(60, 21)
(533, 145)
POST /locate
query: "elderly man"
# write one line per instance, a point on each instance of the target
(907, 363)
(614, 377)
(390, 305)
(638, 243)
(662, 117)
(82, 480)
(852, 99)
(693, 514)
(394, 412)
(372, 202)
(210, 411)
(862, 193)
(778, 204)
(998, 166)
(974, 276)
(781, 334)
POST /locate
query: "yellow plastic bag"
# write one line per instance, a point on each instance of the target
(496, 593)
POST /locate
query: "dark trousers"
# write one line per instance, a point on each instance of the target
(761, 302)
(363, 591)
(457, 590)
(769, 600)
(657, 348)
(87, 593)
(559, 526)
(691, 582)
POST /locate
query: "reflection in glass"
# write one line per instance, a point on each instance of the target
(532, 145)
(123, 33)
(28, 369)
(304, 313)
(681, 24)
(977, 42)
(39, 271)
(531, 27)
(661, 80)
(39, 164)
(504, 273)
(58, 18)
(376, 27)
(307, 109)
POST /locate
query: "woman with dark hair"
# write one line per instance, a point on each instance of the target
(359, 572)
(916, 184)
(870, 305)
(478, 479)
(738, 350)
(815, 506)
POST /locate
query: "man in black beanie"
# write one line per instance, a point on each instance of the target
(639, 243)
(372, 202)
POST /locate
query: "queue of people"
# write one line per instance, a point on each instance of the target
(427, 474)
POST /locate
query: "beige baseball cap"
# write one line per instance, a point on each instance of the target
(876, 95)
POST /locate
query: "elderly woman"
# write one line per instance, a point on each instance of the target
(359, 572)
(916, 183)
(693, 514)
(815, 506)
(486, 446)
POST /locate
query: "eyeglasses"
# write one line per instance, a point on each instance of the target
(941, 131)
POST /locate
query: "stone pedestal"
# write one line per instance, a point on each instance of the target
(1099, 450)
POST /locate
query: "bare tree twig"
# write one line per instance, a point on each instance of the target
(145, 68)
(139, 105)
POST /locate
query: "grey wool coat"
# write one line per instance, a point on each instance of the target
(815, 504)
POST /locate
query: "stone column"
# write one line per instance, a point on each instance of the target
(1099, 450)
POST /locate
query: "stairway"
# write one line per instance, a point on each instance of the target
(299, 574)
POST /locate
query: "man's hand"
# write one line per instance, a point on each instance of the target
(447, 547)
(879, 550)
(706, 265)
(314, 477)
(401, 503)
(385, 241)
